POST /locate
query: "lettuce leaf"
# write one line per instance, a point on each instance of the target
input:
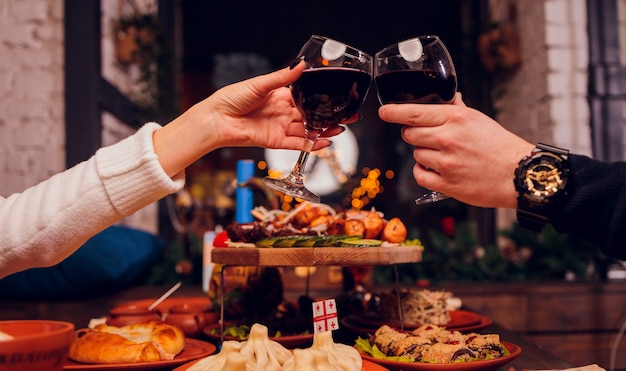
(364, 346)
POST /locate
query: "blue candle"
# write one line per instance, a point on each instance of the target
(244, 197)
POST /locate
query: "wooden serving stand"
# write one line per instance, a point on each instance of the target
(250, 255)
(247, 255)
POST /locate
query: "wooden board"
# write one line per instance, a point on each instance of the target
(311, 256)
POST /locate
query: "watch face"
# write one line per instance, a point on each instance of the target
(542, 176)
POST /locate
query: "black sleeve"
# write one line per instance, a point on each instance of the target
(595, 204)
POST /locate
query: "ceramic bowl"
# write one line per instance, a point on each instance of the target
(35, 345)
(191, 314)
(130, 314)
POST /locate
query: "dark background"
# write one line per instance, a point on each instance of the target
(277, 29)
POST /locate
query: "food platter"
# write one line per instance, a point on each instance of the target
(514, 352)
(461, 320)
(367, 366)
(249, 255)
(194, 349)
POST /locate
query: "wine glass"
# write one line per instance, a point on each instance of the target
(417, 70)
(330, 91)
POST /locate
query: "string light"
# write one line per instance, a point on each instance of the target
(360, 192)
(368, 187)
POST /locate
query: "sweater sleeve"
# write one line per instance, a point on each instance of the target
(595, 204)
(49, 221)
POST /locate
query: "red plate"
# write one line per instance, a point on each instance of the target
(365, 330)
(288, 341)
(194, 349)
(460, 320)
(367, 366)
(491, 364)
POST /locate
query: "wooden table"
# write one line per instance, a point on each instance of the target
(80, 311)
(532, 357)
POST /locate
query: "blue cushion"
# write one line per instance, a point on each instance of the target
(110, 261)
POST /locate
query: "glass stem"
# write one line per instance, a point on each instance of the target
(297, 174)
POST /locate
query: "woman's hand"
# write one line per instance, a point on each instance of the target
(260, 112)
(257, 112)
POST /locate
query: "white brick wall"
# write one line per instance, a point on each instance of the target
(567, 45)
(32, 119)
(32, 144)
(545, 100)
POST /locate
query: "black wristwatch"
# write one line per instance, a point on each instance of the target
(540, 181)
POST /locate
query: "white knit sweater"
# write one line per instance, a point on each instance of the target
(46, 223)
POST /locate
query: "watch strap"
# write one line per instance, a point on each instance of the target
(529, 219)
(548, 148)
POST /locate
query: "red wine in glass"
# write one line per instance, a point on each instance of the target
(331, 89)
(327, 96)
(414, 86)
(417, 70)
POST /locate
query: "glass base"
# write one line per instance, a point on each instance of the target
(292, 189)
(430, 198)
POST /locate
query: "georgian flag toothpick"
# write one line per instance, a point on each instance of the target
(325, 316)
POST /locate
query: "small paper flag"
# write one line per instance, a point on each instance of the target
(325, 316)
